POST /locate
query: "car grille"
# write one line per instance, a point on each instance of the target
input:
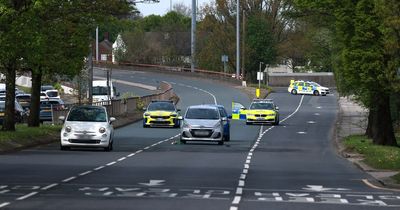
(160, 122)
(205, 133)
(80, 141)
(160, 117)
(260, 115)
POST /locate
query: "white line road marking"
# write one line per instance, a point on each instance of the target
(4, 204)
(242, 179)
(239, 191)
(147, 148)
(69, 179)
(85, 173)
(98, 168)
(121, 159)
(112, 163)
(132, 154)
(302, 132)
(139, 151)
(236, 200)
(4, 191)
(49, 186)
(26, 196)
(233, 208)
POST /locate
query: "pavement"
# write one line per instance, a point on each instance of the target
(353, 119)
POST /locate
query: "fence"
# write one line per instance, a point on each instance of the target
(125, 106)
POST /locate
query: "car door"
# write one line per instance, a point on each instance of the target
(224, 114)
(238, 111)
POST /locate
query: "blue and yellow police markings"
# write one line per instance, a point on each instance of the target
(238, 111)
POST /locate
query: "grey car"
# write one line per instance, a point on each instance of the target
(203, 123)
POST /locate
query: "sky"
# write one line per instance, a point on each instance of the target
(164, 6)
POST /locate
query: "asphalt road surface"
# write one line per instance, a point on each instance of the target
(290, 166)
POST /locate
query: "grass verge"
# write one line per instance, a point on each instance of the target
(377, 156)
(25, 136)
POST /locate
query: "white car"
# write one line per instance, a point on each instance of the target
(87, 126)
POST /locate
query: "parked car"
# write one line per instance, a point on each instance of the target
(47, 106)
(161, 113)
(20, 114)
(203, 123)
(87, 126)
(24, 100)
(43, 88)
(308, 87)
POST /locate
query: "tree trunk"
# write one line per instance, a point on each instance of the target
(34, 117)
(9, 118)
(382, 127)
(369, 131)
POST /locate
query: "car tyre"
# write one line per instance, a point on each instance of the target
(316, 93)
(294, 92)
(109, 147)
(182, 141)
(64, 147)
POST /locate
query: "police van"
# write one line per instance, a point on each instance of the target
(307, 87)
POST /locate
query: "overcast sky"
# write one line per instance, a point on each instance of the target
(164, 6)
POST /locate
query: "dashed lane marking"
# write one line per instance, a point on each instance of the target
(49, 186)
(4, 204)
(69, 179)
(26, 196)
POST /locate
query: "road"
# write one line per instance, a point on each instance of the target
(290, 166)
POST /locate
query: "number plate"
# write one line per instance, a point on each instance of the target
(201, 133)
(160, 119)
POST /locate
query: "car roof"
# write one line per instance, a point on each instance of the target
(88, 107)
(206, 106)
(167, 101)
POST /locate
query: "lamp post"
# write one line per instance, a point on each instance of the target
(237, 40)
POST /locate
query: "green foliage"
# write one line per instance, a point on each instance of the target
(261, 45)
(380, 157)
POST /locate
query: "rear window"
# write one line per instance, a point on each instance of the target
(52, 93)
(202, 113)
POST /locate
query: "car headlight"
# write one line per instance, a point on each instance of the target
(217, 126)
(270, 115)
(102, 130)
(68, 129)
(186, 125)
(250, 115)
(174, 115)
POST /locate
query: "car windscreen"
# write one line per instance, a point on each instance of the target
(87, 114)
(202, 113)
(262, 106)
(2, 106)
(164, 106)
(52, 93)
(26, 98)
(100, 90)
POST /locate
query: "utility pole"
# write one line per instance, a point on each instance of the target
(243, 45)
(237, 39)
(90, 82)
(193, 37)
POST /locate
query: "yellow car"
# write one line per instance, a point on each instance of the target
(262, 111)
(161, 113)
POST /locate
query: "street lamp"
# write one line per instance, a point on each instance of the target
(260, 75)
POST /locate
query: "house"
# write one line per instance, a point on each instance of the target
(105, 49)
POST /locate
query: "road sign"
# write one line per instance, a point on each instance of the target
(260, 76)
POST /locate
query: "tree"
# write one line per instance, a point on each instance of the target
(365, 58)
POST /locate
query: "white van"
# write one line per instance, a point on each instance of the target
(100, 91)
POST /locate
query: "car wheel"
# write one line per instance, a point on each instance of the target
(177, 124)
(182, 141)
(64, 147)
(316, 93)
(221, 142)
(144, 124)
(294, 92)
(109, 147)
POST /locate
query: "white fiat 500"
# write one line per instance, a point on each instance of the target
(87, 126)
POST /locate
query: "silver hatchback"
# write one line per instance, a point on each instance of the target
(202, 123)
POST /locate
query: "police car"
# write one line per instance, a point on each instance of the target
(161, 113)
(262, 111)
(308, 87)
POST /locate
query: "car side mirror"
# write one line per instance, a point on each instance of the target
(61, 118)
(112, 119)
(178, 110)
(243, 108)
(277, 108)
(180, 118)
(224, 119)
(144, 109)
